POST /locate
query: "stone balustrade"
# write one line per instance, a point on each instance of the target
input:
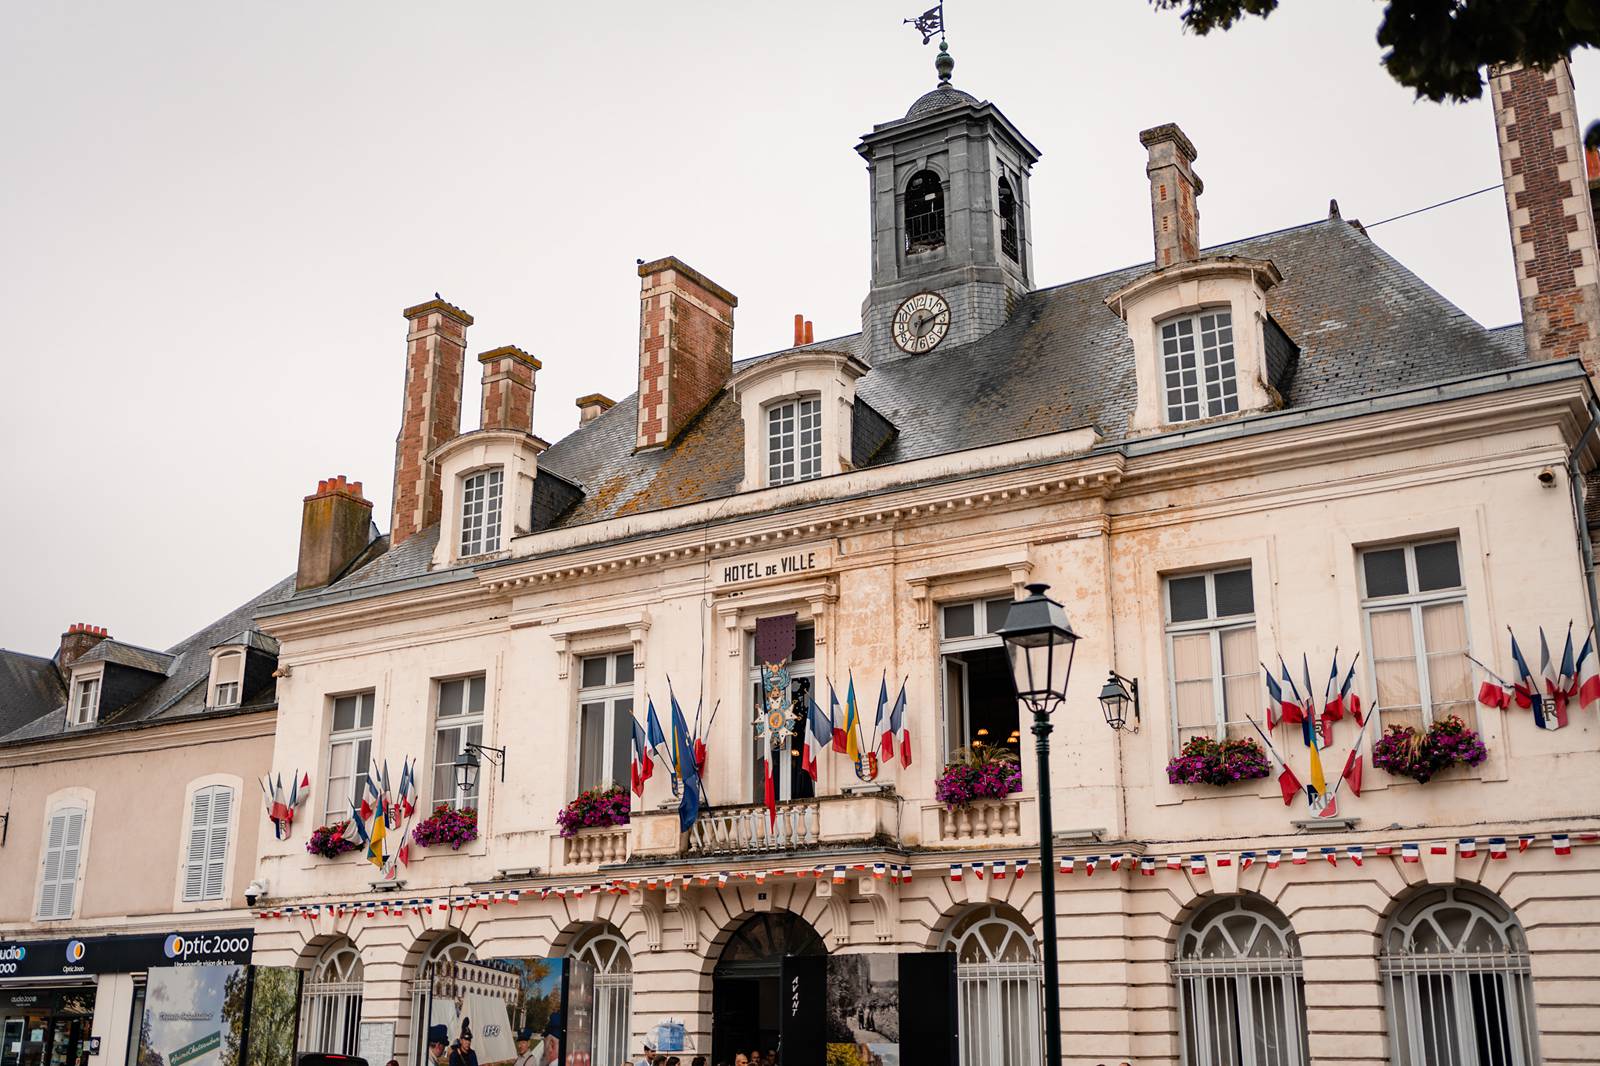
(1009, 820)
(799, 825)
(596, 847)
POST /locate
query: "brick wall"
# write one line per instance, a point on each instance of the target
(436, 347)
(508, 389)
(685, 347)
(1174, 212)
(1552, 221)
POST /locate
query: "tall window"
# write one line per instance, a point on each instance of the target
(998, 977)
(794, 441)
(1211, 653)
(226, 674)
(85, 707)
(330, 1005)
(63, 850)
(980, 705)
(205, 864)
(1460, 989)
(1239, 981)
(457, 723)
(791, 780)
(480, 512)
(1197, 360)
(349, 753)
(924, 212)
(607, 952)
(1416, 614)
(1010, 220)
(605, 719)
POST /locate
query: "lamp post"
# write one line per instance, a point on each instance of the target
(1040, 642)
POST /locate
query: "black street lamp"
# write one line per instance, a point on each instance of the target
(1040, 642)
(1116, 697)
(467, 765)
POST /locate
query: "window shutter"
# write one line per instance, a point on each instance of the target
(63, 845)
(217, 849)
(195, 861)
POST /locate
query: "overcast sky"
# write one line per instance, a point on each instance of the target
(211, 216)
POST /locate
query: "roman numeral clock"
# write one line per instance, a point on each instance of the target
(921, 322)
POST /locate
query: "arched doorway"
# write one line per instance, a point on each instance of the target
(604, 948)
(745, 985)
(998, 978)
(438, 959)
(330, 1003)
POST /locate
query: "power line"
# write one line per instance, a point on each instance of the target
(1441, 203)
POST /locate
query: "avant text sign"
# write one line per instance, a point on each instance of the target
(735, 570)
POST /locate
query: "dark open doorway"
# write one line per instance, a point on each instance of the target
(745, 986)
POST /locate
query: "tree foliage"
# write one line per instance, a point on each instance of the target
(1439, 47)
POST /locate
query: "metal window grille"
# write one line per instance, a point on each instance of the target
(480, 513)
(1199, 367)
(332, 1014)
(1242, 1011)
(613, 1012)
(1010, 221)
(1000, 1012)
(1459, 1009)
(924, 213)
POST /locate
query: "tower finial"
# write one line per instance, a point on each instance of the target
(944, 63)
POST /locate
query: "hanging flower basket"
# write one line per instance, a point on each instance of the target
(330, 842)
(979, 772)
(1203, 761)
(447, 827)
(593, 808)
(1404, 752)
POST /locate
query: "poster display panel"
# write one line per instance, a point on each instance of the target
(863, 1010)
(193, 1016)
(273, 1019)
(526, 1011)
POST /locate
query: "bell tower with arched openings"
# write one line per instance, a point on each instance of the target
(952, 247)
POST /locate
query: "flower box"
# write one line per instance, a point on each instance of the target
(1204, 761)
(447, 827)
(1404, 752)
(330, 842)
(976, 773)
(594, 807)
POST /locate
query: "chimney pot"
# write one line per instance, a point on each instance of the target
(685, 347)
(592, 406)
(809, 337)
(335, 526)
(799, 330)
(1174, 191)
(1557, 262)
(75, 644)
(430, 413)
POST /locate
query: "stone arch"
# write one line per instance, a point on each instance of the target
(999, 977)
(331, 996)
(1237, 965)
(605, 947)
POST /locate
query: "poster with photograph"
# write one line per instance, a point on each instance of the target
(579, 1008)
(514, 1009)
(193, 1016)
(274, 1016)
(863, 1010)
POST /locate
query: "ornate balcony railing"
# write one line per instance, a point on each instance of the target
(798, 824)
(596, 847)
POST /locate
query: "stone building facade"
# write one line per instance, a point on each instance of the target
(1282, 446)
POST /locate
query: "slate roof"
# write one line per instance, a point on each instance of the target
(29, 687)
(115, 651)
(182, 689)
(1365, 326)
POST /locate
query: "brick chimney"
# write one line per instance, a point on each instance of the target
(1174, 188)
(508, 389)
(436, 348)
(75, 644)
(685, 347)
(592, 406)
(335, 527)
(1552, 220)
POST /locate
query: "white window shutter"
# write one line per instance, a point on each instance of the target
(217, 845)
(63, 846)
(194, 864)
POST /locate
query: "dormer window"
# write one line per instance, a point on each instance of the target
(1201, 379)
(794, 440)
(227, 673)
(1010, 220)
(480, 512)
(924, 212)
(85, 706)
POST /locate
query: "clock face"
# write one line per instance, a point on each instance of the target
(921, 322)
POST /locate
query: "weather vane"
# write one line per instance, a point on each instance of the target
(930, 23)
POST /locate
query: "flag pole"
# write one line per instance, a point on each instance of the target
(1488, 671)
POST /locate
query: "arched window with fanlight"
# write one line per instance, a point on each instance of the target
(604, 948)
(330, 1004)
(1240, 986)
(998, 982)
(437, 978)
(924, 212)
(1459, 987)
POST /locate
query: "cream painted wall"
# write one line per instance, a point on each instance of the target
(138, 782)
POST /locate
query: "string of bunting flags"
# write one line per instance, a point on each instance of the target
(890, 873)
(1498, 847)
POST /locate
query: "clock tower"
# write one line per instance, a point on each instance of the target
(952, 248)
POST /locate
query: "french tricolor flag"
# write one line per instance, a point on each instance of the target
(1298, 856)
(1022, 868)
(1497, 847)
(1588, 669)
(1197, 864)
(1247, 859)
(1410, 853)
(1089, 864)
(1225, 859)
(1467, 847)
(1561, 844)
(1174, 862)
(1384, 849)
(1357, 854)
(1523, 841)
(1147, 866)
(999, 869)
(955, 871)
(819, 735)
(1332, 855)
(1274, 857)
(1438, 847)
(1068, 864)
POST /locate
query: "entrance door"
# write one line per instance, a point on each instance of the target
(745, 991)
(69, 1039)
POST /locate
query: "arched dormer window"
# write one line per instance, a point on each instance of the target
(794, 440)
(924, 212)
(1010, 220)
(480, 511)
(227, 677)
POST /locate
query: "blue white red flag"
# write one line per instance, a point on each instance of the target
(819, 735)
(1526, 687)
(1588, 673)
(643, 765)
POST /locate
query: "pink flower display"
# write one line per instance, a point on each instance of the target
(594, 807)
(1203, 761)
(330, 842)
(1404, 752)
(447, 827)
(980, 772)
